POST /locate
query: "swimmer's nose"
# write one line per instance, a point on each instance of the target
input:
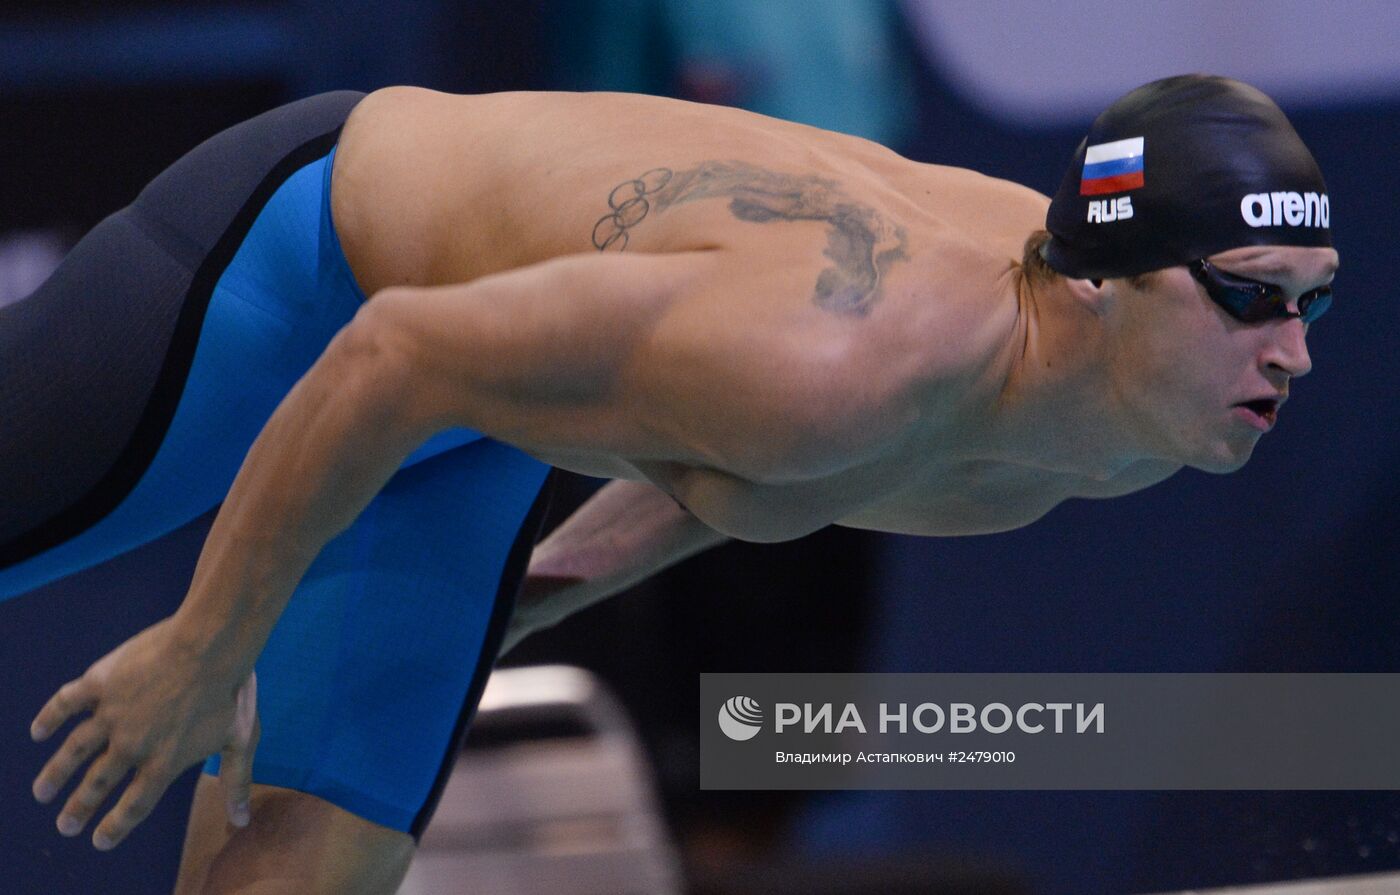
(1287, 349)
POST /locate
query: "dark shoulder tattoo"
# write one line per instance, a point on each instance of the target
(861, 243)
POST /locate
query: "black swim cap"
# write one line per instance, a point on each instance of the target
(1180, 169)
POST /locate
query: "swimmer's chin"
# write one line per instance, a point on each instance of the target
(1225, 459)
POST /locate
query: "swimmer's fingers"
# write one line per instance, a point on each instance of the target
(136, 804)
(236, 760)
(86, 740)
(73, 697)
(102, 777)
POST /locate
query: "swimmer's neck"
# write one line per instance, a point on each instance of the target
(1056, 409)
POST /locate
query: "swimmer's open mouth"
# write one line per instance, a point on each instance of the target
(1265, 408)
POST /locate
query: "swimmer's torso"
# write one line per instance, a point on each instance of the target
(845, 239)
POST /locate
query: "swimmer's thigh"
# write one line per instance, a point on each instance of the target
(370, 679)
(299, 845)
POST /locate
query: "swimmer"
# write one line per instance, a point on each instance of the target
(758, 328)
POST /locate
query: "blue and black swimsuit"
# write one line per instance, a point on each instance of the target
(132, 384)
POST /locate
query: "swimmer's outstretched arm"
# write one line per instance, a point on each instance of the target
(623, 534)
(600, 355)
(606, 355)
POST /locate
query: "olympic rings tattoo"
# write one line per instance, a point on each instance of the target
(628, 201)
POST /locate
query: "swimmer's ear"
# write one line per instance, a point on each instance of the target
(1093, 295)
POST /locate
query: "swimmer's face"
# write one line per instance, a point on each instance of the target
(1196, 380)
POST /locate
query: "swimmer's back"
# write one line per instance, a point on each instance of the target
(436, 188)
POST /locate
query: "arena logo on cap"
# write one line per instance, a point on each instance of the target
(1286, 209)
(1113, 167)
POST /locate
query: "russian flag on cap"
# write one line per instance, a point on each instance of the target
(1112, 167)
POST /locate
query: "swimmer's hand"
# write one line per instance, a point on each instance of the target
(155, 710)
